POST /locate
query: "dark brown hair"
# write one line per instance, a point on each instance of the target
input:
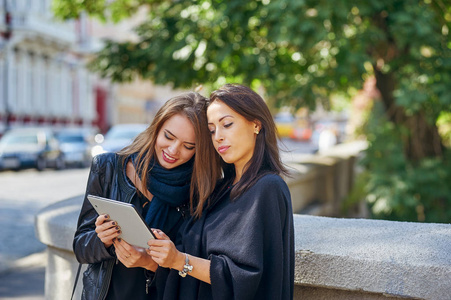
(266, 158)
(206, 170)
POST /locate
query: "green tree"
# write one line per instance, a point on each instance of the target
(300, 51)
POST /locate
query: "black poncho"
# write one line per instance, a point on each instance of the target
(250, 243)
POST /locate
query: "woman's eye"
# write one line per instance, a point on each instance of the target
(228, 125)
(167, 136)
(189, 148)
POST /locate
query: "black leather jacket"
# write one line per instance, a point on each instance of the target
(107, 178)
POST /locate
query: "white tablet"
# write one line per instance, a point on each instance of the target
(134, 228)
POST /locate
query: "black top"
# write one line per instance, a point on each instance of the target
(249, 241)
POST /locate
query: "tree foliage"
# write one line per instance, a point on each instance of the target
(299, 51)
(397, 189)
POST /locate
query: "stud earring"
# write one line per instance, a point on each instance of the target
(256, 131)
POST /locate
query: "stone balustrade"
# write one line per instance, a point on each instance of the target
(320, 182)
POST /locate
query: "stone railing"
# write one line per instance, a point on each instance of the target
(371, 259)
(320, 182)
(335, 258)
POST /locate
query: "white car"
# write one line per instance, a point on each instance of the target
(118, 137)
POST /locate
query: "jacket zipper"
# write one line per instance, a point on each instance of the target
(108, 274)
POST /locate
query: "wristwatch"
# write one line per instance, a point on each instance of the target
(186, 268)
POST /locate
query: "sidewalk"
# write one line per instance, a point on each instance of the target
(24, 279)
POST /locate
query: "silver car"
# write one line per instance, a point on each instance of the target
(75, 145)
(30, 147)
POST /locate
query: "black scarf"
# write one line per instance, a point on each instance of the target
(170, 188)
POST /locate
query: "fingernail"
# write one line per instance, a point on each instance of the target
(117, 227)
(119, 233)
(107, 216)
(114, 223)
(119, 239)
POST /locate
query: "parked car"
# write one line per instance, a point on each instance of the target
(285, 122)
(118, 137)
(301, 133)
(30, 147)
(75, 145)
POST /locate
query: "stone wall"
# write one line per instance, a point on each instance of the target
(371, 259)
(320, 182)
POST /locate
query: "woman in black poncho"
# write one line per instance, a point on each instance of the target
(240, 243)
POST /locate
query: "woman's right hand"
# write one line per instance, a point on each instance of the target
(164, 252)
(107, 230)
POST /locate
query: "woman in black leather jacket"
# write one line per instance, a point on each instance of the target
(159, 173)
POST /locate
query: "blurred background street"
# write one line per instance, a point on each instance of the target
(22, 195)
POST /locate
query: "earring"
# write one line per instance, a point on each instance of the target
(256, 131)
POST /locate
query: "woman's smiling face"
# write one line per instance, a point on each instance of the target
(233, 135)
(175, 144)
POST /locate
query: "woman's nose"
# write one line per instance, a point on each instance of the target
(218, 136)
(173, 148)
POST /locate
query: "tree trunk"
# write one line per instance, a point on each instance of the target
(423, 139)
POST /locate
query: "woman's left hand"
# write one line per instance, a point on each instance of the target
(132, 257)
(163, 251)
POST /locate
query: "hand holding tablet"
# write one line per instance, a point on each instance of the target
(134, 229)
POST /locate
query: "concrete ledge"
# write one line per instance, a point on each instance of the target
(320, 182)
(399, 259)
(335, 258)
(56, 224)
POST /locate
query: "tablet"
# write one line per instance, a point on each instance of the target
(134, 228)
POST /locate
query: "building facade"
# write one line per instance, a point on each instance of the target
(131, 102)
(43, 75)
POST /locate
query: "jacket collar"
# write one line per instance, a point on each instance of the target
(122, 181)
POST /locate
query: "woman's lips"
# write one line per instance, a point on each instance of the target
(168, 158)
(223, 149)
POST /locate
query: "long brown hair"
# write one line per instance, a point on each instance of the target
(266, 157)
(203, 180)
